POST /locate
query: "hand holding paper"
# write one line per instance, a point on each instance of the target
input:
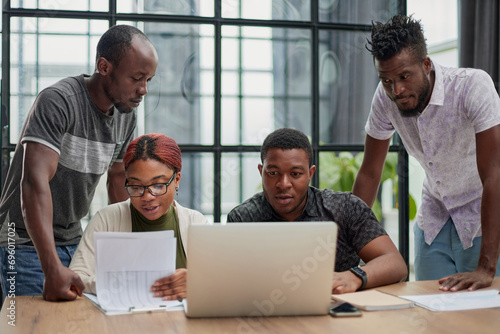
(127, 266)
(172, 287)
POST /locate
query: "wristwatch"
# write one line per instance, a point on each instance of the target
(361, 274)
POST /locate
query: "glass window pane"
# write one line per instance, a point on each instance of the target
(231, 118)
(178, 7)
(356, 11)
(257, 120)
(207, 45)
(40, 59)
(92, 5)
(231, 80)
(257, 83)
(347, 81)
(436, 30)
(257, 54)
(230, 57)
(62, 26)
(180, 97)
(207, 120)
(19, 107)
(65, 55)
(240, 178)
(266, 80)
(290, 10)
(256, 32)
(196, 188)
(270, 86)
(293, 113)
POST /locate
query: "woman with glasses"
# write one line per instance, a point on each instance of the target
(153, 170)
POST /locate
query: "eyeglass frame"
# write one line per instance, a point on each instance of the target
(147, 187)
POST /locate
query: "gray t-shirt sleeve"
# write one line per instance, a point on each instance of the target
(47, 121)
(127, 141)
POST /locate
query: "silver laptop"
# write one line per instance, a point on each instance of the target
(260, 269)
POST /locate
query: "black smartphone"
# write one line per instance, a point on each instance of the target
(344, 310)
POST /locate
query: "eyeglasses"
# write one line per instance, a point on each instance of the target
(156, 189)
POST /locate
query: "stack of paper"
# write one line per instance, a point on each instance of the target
(373, 300)
(127, 265)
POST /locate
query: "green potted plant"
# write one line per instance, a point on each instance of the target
(338, 172)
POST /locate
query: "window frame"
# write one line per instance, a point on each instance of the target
(217, 149)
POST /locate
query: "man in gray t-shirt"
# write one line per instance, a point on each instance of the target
(286, 172)
(77, 130)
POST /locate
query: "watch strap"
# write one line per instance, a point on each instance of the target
(361, 274)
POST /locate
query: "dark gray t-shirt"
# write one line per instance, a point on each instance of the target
(357, 225)
(64, 118)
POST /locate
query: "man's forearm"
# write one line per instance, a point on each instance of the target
(116, 183)
(366, 188)
(385, 269)
(116, 191)
(490, 243)
(370, 173)
(37, 214)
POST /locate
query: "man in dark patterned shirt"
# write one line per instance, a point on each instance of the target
(286, 171)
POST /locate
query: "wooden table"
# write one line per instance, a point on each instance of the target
(34, 315)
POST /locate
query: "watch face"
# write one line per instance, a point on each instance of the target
(358, 271)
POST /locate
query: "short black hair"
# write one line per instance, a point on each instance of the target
(399, 33)
(115, 42)
(286, 139)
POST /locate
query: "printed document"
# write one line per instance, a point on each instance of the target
(458, 301)
(127, 265)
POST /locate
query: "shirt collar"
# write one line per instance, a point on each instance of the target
(309, 211)
(268, 214)
(437, 97)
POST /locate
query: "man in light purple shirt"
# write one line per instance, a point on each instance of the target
(448, 119)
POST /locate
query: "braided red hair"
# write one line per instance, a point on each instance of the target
(154, 146)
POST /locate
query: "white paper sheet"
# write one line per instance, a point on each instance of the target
(458, 301)
(127, 264)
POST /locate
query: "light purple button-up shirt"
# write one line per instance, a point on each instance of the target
(463, 102)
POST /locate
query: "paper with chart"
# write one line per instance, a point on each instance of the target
(127, 264)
